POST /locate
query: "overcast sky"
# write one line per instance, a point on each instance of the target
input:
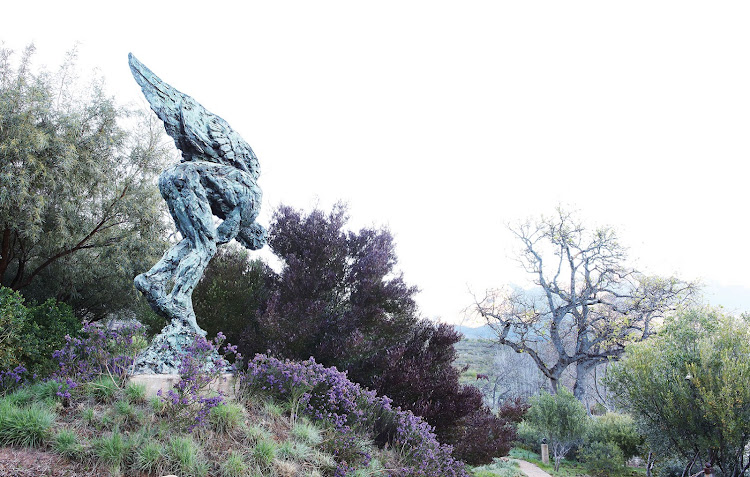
(446, 120)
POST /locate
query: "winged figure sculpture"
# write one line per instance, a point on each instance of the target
(216, 177)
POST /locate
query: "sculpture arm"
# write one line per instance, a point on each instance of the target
(228, 229)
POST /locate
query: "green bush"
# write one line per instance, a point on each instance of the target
(44, 332)
(618, 429)
(528, 436)
(561, 418)
(602, 459)
(12, 318)
(30, 334)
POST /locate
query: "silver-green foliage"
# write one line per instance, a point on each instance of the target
(77, 199)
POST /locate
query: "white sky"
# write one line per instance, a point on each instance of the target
(445, 120)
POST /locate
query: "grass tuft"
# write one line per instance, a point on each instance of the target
(149, 458)
(264, 452)
(135, 393)
(185, 457)
(104, 389)
(234, 465)
(111, 450)
(307, 433)
(26, 427)
(226, 417)
(66, 444)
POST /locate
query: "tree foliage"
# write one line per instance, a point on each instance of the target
(689, 389)
(560, 418)
(31, 334)
(78, 210)
(231, 294)
(588, 303)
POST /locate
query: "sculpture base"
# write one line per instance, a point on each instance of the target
(164, 355)
(164, 382)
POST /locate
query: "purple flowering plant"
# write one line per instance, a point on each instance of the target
(12, 378)
(326, 395)
(98, 351)
(201, 364)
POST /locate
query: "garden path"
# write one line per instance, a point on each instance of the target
(531, 470)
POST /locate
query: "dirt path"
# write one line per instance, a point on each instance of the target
(531, 470)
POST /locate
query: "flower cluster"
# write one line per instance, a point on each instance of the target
(98, 351)
(200, 366)
(12, 378)
(326, 394)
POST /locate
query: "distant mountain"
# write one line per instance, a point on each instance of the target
(476, 333)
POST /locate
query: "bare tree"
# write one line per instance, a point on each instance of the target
(587, 304)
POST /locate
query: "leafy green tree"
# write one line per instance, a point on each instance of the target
(689, 389)
(231, 294)
(79, 213)
(560, 418)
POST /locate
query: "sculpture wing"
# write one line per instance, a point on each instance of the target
(199, 134)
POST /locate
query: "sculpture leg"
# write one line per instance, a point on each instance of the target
(191, 211)
(153, 283)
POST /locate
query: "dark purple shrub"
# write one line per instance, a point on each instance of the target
(513, 410)
(482, 437)
(325, 394)
(341, 299)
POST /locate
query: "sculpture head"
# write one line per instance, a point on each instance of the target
(253, 236)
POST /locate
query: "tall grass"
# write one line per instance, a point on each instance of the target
(24, 426)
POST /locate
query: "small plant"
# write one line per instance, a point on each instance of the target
(602, 459)
(307, 433)
(149, 458)
(499, 468)
(257, 433)
(135, 393)
(226, 417)
(185, 457)
(25, 427)
(200, 366)
(234, 465)
(104, 389)
(111, 450)
(66, 444)
(264, 453)
(125, 412)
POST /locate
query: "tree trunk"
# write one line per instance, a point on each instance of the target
(554, 382)
(582, 375)
(4, 253)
